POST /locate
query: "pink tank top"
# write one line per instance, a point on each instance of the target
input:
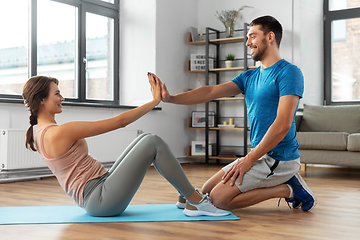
(74, 168)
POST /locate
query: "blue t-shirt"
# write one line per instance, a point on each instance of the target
(262, 89)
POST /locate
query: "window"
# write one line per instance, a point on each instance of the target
(341, 51)
(56, 44)
(13, 47)
(343, 4)
(75, 41)
(99, 56)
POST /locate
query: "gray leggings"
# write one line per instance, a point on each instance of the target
(113, 195)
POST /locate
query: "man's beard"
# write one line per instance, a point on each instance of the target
(258, 56)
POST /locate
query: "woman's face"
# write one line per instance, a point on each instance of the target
(53, 102)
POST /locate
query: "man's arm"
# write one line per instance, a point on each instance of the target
(276, 132)
(201, 95)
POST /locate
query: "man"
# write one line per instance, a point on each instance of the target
(272, 93)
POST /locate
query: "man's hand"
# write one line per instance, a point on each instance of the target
(165, 95)
(237, 170)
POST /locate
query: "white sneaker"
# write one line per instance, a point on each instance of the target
(181, 203)
(204, 208)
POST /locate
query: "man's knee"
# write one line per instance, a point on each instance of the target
(206, 188)
(212, 182)
(223, 194)
(219, 200)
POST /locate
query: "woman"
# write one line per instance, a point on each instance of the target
(102, 192)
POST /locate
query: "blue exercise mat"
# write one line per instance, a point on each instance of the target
(75, 214)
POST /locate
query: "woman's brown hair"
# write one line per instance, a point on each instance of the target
(35, 90)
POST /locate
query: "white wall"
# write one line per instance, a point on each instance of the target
(153, 38)
(137, 49)
(173, 19)
(311, 50)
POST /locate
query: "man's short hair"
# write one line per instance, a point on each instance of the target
(269, 24)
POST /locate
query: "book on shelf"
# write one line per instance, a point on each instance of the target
(227, 153)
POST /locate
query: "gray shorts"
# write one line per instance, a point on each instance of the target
(266, 172)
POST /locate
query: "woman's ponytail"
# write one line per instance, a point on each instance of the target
(29, 144)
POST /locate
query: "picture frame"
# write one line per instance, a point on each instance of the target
(198, 148)
(198, 119)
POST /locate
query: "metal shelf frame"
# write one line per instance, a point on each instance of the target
(217, 43)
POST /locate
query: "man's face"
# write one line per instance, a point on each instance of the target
(257, 43)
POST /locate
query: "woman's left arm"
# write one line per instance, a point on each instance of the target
(82, 129)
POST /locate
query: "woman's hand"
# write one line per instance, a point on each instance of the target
(237, 170)
(155, 86)
(165, 96)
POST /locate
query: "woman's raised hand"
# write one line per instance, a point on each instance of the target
(155, 86)
(165, 95)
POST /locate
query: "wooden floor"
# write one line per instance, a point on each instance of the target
(336, 216)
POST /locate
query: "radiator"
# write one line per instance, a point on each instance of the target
(105, 148)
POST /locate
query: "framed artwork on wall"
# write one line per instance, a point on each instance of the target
(198, 148)
(198, 119)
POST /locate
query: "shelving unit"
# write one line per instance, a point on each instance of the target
(217, 70)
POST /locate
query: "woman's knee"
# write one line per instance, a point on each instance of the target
(154, 140)
(149, 137)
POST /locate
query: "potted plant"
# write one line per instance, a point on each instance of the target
(229, 63)
(228, 18)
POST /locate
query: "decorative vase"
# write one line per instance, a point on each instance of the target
(229, 63)
(229, 29)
